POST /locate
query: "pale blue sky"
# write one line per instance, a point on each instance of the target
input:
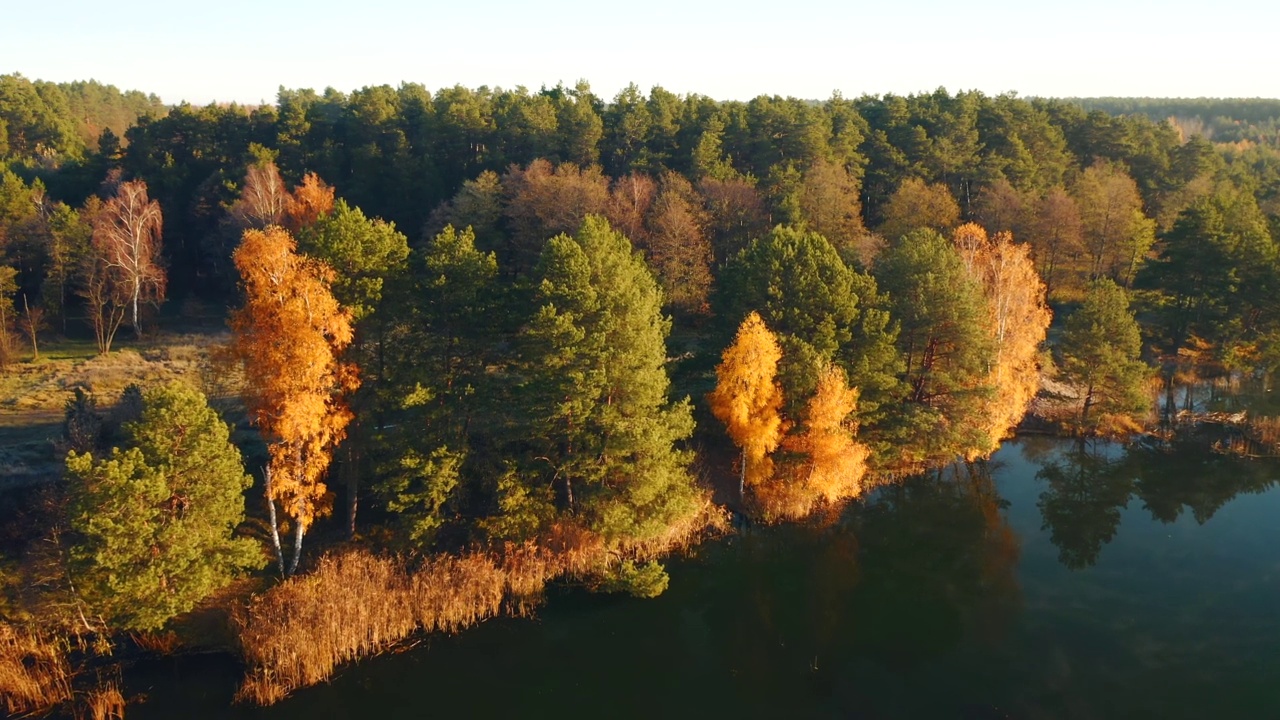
(244, 49)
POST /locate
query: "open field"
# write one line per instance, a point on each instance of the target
(34, 394)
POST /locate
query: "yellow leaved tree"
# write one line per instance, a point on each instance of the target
(289, 336)
(1018, 317)
(829, 463)
(747, 398)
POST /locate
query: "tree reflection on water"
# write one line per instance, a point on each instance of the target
(1093, 481)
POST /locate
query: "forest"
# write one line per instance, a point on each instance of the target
(463, 344)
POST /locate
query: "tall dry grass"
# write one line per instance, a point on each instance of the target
(104, 702)
(34, 672)
(356, 603)
(1261, 437)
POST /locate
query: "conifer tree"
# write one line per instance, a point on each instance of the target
(600, 426)
(946, 342)
(157, 517)
(1100, 353)
(437, 355)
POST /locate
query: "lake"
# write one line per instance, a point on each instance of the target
(1058, 580)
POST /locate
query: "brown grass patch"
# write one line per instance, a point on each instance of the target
(34, 673)
(357, 604)
(104, 702)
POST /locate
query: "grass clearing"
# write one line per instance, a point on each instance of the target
(34, 393)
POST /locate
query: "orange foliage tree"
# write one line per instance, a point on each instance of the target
(747, 398)
(837, 463)
(832, 464)
(309, 202)
(289, 335)
(1019, 320)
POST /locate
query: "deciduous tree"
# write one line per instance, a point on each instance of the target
(677, 246)
(1056, 236)
(1019, 320)
(8, 340)
(1117, 234)
(264, 200)
(289, 335)
(917, 204)
(748, 398)
(126, 240)
(831, 463)
(310, 201)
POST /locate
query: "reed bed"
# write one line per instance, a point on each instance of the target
(357, 603)
(34, 672)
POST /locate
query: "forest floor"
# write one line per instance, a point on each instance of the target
(34, 392)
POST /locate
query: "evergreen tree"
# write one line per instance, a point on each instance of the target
(156, 520)
(437, 353)
(599, 425)
(947, 344)
(1100, 349)
(363, 252)
(821, 309)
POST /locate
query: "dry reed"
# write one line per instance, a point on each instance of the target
(357, 604)
(34, 673)
(104, 702)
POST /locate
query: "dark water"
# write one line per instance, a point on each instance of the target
(1057, 581)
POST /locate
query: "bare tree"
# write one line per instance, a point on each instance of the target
(32, 322)
(263, 201)
(126, 237)
(102, 302)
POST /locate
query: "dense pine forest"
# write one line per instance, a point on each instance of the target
(464, 343)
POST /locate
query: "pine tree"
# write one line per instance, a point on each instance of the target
(600, 427)
(1100, 353)
(822, 310)
(437, 354)
(157, 517)
(946, 342)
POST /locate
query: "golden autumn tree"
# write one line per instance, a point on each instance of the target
(837, 462)
(309, 202)
(747, 398)
(832, 463)
(1018, 317)
(289, 336)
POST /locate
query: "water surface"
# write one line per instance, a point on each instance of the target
(1059, 580)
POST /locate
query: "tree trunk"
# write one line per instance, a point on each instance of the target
(742, 477)
(297, 547)
(275, 528)
(353, 497)
(137, 329)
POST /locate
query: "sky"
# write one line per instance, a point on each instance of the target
(244, 50)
